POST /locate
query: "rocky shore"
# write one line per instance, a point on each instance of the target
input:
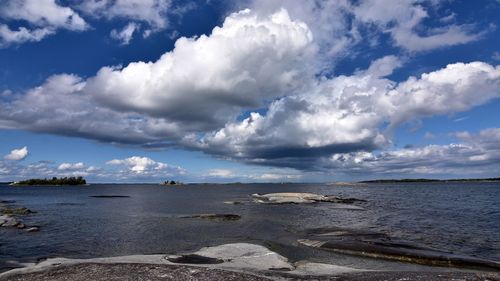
(238, 261)
(244, 261)
(11, 216)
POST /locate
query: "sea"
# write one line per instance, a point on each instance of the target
(461, 218)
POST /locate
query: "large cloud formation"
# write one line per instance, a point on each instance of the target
(253, 90)
(200, 85)
(340, 25)
(347, 113)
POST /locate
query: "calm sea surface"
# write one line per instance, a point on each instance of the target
(463, 218)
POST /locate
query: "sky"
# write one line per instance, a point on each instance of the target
(249, 90)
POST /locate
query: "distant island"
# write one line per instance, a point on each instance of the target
(431, 180)
(171, 182)
(53, 181)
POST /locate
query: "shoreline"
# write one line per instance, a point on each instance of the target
(236, 261)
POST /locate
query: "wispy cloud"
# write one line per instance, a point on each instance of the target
(126, 34)
(45, 17)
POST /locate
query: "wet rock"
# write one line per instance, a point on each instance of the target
(194, 259)
(8, 221)
(344, 200)
(379, 245)
(233, 202)
(299, 198)
(109, 196)
(17, 211)
(33, 229)
(70, 204)
(216, 217)
(21, 226)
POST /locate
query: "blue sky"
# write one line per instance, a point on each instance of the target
(250, 90)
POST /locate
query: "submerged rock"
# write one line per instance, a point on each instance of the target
(17, 211)
(109, 196)
(233, 202)
(216, 217)
(33, 229)
(299, 198)
(379, 245)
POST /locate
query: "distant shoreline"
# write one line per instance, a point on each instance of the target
(409, 180)
(430, 180)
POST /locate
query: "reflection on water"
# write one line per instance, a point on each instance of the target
(458, 217)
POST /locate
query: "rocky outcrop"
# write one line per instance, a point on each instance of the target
(9, 217)
(379, 245)
(300, 198)
(245, 256)
(8, 221)
(242, 258)
(237, 261)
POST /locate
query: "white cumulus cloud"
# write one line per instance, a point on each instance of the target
(145, 165)
(348, 113)
(244, 62)
(17, 154)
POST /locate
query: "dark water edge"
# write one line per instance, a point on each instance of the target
(459, 218)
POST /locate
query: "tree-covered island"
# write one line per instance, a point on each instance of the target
(53, 181)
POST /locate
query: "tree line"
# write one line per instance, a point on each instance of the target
(54, 181)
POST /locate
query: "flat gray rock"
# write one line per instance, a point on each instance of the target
(235, 257)
(299, 198)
